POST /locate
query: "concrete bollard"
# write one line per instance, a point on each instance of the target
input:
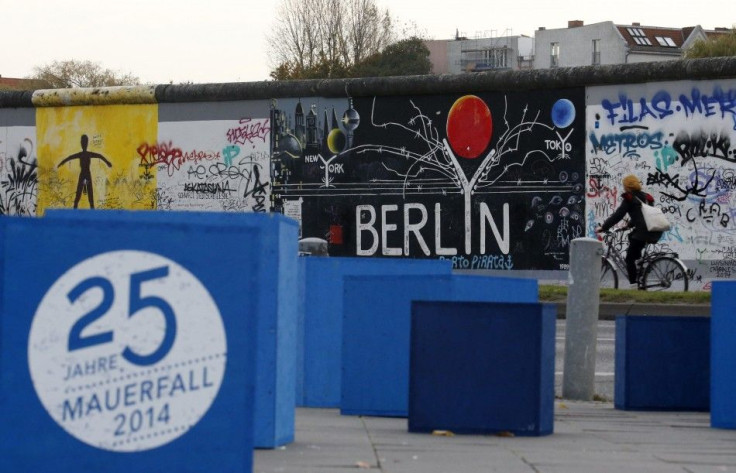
(581, 324)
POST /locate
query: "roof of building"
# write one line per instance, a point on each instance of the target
(718, 32)
(661, 39)
(12, 83)
(654, 37)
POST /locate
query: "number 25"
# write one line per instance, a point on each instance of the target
(136, 303)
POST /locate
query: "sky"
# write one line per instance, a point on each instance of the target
(215, 41)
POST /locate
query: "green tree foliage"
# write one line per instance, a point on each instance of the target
(717, 46)
(322, 68)
(326, 38)
(73, 73)
(406, 57)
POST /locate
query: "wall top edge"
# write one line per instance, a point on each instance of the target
(558, 78)
(16, 99)
(94, 96)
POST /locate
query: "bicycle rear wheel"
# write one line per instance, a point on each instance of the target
(665, 273)
(609, 276)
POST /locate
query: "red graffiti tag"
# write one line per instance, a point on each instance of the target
(172, 157)
(249, 131)
(161, 153)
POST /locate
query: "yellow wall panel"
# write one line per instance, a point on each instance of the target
(91, 151)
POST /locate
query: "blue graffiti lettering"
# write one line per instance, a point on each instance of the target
(712, 191)
(628, 143)
(673, 234)
(627, 111)
(709, 105)
(229, 152)
(659, 107)
(665, 158)
(492, 262)
(662, 103)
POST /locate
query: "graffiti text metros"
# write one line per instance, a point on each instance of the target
(627, 143)
(172, 157)
(628, 111)
(249, 131)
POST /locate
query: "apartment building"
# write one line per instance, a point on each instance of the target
(486, 51)
(608, 43)
(577, 45)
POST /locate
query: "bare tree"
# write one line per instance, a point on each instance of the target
(73, 73)
(369, 30)
(327, 35)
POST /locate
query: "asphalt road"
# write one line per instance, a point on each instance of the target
(604, 366)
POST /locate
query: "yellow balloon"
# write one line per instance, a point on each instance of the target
(336, 140)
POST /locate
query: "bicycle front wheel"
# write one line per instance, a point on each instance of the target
(665, 273)
(609, 276)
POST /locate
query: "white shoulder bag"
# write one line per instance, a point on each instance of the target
(654, 218)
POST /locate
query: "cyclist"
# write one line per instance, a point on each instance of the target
(639, 237)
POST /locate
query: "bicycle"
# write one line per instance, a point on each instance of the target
(656, 270)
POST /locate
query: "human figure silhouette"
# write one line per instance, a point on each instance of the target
(85, 176)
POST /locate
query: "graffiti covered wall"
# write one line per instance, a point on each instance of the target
(18, 171)
(677, 138)
(18, 163)
(212, 157)
(495, 172)
(489, 181)
(200, 157)
(87, 159)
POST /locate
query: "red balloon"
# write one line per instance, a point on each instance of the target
(469, 126)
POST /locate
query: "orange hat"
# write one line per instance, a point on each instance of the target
(631, 183)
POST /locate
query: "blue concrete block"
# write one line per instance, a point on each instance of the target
(376, 331)
(662, 363)
(321, 372)
(276, 303)
(723, 355)
(3, 220)
(300, 329)
(482, 368)
(132, 344)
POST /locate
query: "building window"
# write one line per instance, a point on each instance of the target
(666, 42)
(495, 58)
(596, 51)
(639, 36)
(554, 60)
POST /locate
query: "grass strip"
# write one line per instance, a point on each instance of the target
(553, 293)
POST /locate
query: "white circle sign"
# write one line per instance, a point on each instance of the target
(127, 351)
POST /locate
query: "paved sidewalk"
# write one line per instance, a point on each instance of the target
(589, 437)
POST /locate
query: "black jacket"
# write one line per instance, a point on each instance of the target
(631, 205)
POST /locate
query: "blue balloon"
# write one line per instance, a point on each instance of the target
(563, 113)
